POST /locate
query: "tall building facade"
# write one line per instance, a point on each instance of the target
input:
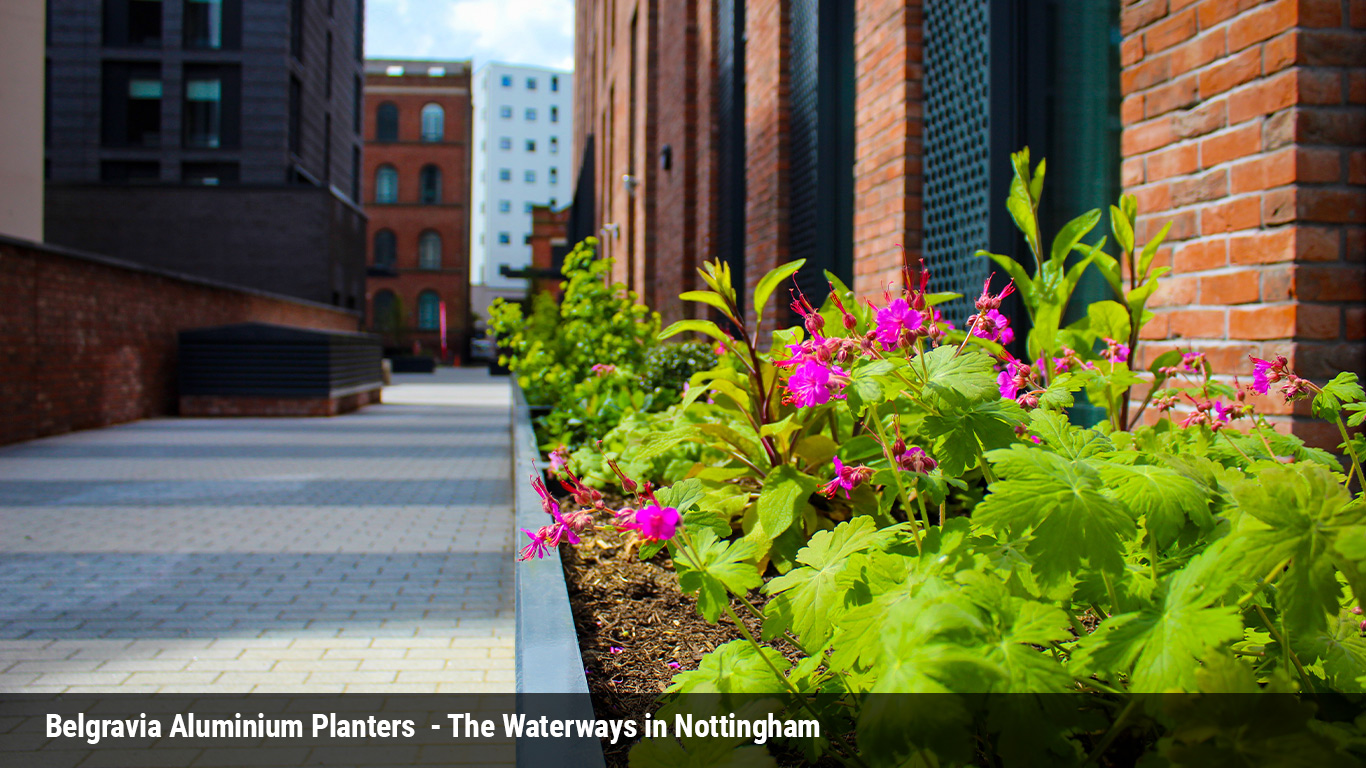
(761, 131)
(523, 131)
(417, 191)
(22, 32)
(218, 138)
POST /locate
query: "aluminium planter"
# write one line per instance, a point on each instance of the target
(550, 673)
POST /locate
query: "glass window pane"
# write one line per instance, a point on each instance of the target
(428, 311)
(433, 122)
(203, 113)
(386, 185)
(204, 23)
(429, 251)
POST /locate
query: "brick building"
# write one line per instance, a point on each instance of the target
(764, 131)
(417, 191)
(216, 139)
(549, 241)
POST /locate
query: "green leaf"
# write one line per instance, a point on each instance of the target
(1022, 211)
(1165, 498)
(1145, 259)
(1109, 319)
(1122, 229)
(723, 567)
(1062, 437)
(710, 298)
(1137, 299)
(660, 443)
(735, 667)
(682, 495)
(956, 380)
(784, 492)
(1063, 504)
(1342, 389)
(961, 434)
(705, 327)
(1296, 514)
(769, 283)
(1162, 646)
(1340, 651)
(809, 599)
(1072, 233)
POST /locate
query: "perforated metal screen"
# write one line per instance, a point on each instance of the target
(957, 148)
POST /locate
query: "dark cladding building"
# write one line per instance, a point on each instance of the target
(219, 138)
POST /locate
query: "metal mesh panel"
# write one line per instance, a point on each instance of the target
(957, 148)
(804, 148)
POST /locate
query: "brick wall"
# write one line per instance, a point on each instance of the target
(767, 108)
(888, 128)
(1244, 127)
(87, 342)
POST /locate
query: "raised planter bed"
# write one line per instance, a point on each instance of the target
(549, 669)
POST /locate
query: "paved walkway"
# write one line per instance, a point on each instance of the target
(367, 552)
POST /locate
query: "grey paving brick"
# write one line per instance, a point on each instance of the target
(263, 554)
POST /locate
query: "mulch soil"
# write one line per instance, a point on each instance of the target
(632, 621)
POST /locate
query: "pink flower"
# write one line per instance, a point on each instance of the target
(615, 650)
(846, 478)
(602, 369)
(652, 522)
(548, 504)
(814, 384)
(1012, 379)
(1116, 352)
(1268, 372)
(559, 458)
(544, 539)
(673, 665)
(988, 301)
(916, 460)
(896, 321)
(810, 317)
(992, 326)
(849, 321)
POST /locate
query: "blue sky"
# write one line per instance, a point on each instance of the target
(537, 32)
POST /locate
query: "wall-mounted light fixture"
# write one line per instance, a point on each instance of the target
(630, 183)
(666, 157)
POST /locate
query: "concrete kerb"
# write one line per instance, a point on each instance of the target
(547, 656)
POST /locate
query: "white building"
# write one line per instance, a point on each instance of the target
(523, 142)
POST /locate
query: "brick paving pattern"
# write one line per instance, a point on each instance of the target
(366, 552)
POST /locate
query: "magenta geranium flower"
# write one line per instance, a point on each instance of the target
(896, 319)
(652, 522)
(916, 460)
(846, 478)
(1012, 379)
(992, 326)
(543, 540)
(814, 384)
(1116, 352)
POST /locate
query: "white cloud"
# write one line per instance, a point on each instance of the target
(537, 32)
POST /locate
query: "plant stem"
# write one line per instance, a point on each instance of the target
(1113, 733)
(1289, 654)
(1347, 443)
(896, 470)
(1152, 555)
(1265, 580)
(1110, 589)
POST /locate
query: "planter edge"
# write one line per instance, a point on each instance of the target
(547, 645)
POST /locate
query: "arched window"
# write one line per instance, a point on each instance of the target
(433, 122)
(428, 311)
(386, 184)
(386, 122)
(385, 311)
(429, 250)
(386, 248)
(429, 182)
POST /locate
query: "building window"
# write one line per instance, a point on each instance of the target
(327, 68)
(554, 145)
(131, 107)
(296, 29)
(123, 171)
(505, 143)
(144, 112)
(428, 311)
(429, 250)
(204, 113)
(530, 114)
(504, 206)
(531, 83)
(358, 100)
(505, 174)
(529, 177)
(296, 110)
(554, 114)
(527, 207)
(203, 23)
(433, 122)
(355, 174)
(132, 23)
(554, 83)
(386, 122)
(505, 113)
(531, 145)
(209, 174)
(386, 249)
(504, 238)
(386, 313)
(552, 202)
(507, 81)
(386, 184)
(554, 175)
(429, 185)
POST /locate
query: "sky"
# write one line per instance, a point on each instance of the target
(536, 32)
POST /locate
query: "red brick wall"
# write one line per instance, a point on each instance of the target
(408, 219)
(675, 196)
(1244, 126)
(888, 126)
(87, 342)
(767, 116)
